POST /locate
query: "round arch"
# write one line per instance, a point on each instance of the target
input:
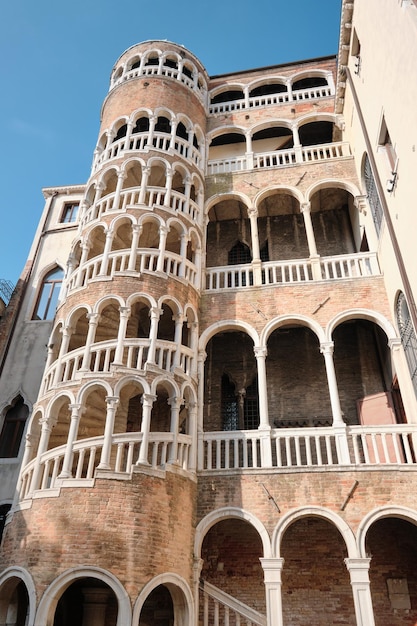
(365, 314)
(49, 600)
(233, 325)
(7, 578)
(332, 182)
(314, 511)
(182, 597)
(85, 389)
(282, 320)
(231, 513)
(269, 191)
(141, 296)
(400, 512)
(126, 380)
(240, 197)
(226, 130)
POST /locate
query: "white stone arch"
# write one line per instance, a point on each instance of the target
(226, 130)
(131, 378)
(187, 387)
(164, 111)
(89, 233)
(49, 600)
(7, 578)
(382, 512)
(327, 183)
(118, 123)
(137, 113)
(94, 384)
(142, 296)
(181, 595)
(311, 73)
(364, 314)
(314, 511)
(133, 160)
(231, 512)
(181, 168)
(77, 307)
(190, 307)
(126, 217)
(226, 87)
(271, 123)
(58, 399)
(267, 80)
(176, 224)
(219, 197)
(105, 173)
(225, 325)
(291, 318)
(153, 52)
(102, 302)
(151, 217)
(318, 116)
(167, 384)
(171, 300)
(271, 190)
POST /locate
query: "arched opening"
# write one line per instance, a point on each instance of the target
(87, 601)
(60, 417)
(297, 385)
(272, 138)
(96, 242)
(166, 325)
(231, 398)
(317, 133)
(133, 175)
(227, 96)
(316, 587)
(79, 326)
(309, 82)
(230, 552)
(14, 603)
(267, 89)
(14, 422)
(391, 543)
(335, 222)
(227, 145)
(364, 373)
(158, 609)
(228, 224)
(47, 300)
(281, 227)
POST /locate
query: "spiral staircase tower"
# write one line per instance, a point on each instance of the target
(125, 343)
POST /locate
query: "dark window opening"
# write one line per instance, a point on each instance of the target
(152, 61)
(239, 254)
(182, 131)
(4, 509)
(229, 138)
(229, 405)
(13, 427)
(227, 96)
(69, 212)
(120, 133)
(171, 63)
(163, 125)
(309, 83)
(251, 407)
(186, 70)
(266, 90)
(135, 65)
(316, 133)
(282, 134)
(141, 126)
(264, 252)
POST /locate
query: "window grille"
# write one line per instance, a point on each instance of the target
(373, 196)
(408, 337)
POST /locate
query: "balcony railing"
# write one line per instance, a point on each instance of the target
(153, 197)
(44, 473)
(68, 368)
(308, 447)
(279, 158)
(359, 265)
(285, 449)
(271, 99)
(141, 142)
(145, 260)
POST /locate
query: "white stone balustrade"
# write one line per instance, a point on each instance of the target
(344, 266)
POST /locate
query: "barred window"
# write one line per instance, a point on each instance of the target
(408, 337)
(373, 196)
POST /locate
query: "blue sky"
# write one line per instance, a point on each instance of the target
(56, 62)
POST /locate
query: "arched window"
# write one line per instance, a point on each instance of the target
(372, 194)
(408, 337)
(239, 254)
(48, 295)
(13, 427)
(230, 408)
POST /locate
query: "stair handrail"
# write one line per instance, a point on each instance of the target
(233, 603)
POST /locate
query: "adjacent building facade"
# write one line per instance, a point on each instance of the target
(208, 368)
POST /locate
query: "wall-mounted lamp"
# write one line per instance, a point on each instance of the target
(357, 65)
(391, 182)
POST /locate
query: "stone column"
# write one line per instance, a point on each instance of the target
(359, 579)
(175, 404)
(311, 241)
(112, 403)
(168, 188)
(179, 320)
(192, 432)
(92, 326)
(273, 585)
(72, 436)
(66, 336)
(249, 151)
(163, 232)
(136, 230)
(265, 436)
(202, 355)
(144, 184)
(147, 403)
(47, 423)
(85, 248)
(183, 254)
(106, 252)
(120, 178)
(339, 425)
(121, 335)
(297, 145)
(256, 252)
(174, 125)
(155, 314)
